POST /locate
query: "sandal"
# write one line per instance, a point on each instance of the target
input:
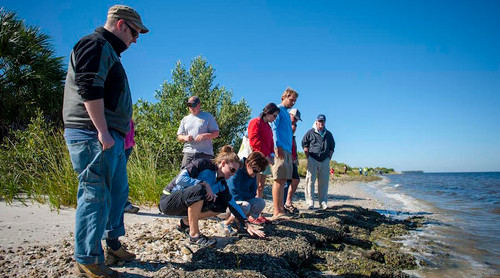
(291, 209)
(202, 241)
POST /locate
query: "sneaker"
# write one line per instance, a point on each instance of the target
(95, 270)
(129, 208)
(202, 241)
(114, 256)
(183, 228)
(264, 220)
(311, 207)
(291, 209)
(229, 230)
(257, 221)
(324, 206)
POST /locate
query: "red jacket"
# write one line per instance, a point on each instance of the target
(260, 136)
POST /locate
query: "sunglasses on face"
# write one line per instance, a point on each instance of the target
(233, 170)
(193, 105)
(256, 171)
(134, 32)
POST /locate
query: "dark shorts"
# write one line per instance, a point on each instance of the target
(177, 202)
(188, 157)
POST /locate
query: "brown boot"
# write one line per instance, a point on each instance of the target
(99, 270)
(114, 256)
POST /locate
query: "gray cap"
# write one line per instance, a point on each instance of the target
(128, 14)
(296, 113)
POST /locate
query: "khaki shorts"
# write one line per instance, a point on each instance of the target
(283, 168)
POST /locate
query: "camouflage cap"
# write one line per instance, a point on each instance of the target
(128, 14)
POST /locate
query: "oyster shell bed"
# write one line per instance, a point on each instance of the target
(342, 240)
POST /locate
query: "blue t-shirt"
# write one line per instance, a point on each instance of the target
(282, 130)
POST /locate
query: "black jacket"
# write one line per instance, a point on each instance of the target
(319, 147)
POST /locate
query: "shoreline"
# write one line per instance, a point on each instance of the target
(36, 236)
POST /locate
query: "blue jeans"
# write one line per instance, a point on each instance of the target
(101, 197)
(252, 207)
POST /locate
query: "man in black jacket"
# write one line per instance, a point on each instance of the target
(97, 110)
(318, 145)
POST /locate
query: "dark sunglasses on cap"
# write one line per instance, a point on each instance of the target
(134, 32)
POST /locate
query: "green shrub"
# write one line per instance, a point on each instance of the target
(157, 123)
(35, 163)
(146, 182)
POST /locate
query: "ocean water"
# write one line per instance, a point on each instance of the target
(462, 236)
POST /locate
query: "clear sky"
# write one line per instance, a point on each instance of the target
(410, 85)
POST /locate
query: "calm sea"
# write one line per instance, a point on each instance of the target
(462, 238)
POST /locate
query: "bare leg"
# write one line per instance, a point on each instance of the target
(278, 192)
(195, 214)
(291, 191)
(261, 182)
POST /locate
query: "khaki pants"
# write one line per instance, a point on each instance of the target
(321, 170)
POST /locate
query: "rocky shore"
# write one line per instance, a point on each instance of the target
(345, 240)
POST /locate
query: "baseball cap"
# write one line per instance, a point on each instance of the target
(128, 14)
(296, 113)
(321, 117)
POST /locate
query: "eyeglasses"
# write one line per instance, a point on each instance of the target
(193, 105)
(232, 169)
(134, 32)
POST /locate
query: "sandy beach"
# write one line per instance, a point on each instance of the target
(42, 240)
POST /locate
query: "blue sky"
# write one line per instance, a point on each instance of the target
(412, 85)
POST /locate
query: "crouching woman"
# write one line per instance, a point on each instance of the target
(200, 191)
(243, 188)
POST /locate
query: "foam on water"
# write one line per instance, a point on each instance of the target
(459, 239)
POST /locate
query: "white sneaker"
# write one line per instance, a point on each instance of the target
(324, 206)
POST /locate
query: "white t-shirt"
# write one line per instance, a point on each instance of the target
(193, 125)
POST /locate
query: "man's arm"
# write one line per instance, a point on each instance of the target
(95, 108)
(184, 138)
(332, 145)
(207, 136)
(305, 144)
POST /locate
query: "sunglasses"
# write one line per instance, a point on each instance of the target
(232, 170)
(256, 171)
(193, 105)
(134, 32)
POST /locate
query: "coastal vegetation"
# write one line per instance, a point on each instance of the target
(31, 76)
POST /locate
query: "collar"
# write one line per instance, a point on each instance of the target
(317, 131)
(217, 177)
(118, 45)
